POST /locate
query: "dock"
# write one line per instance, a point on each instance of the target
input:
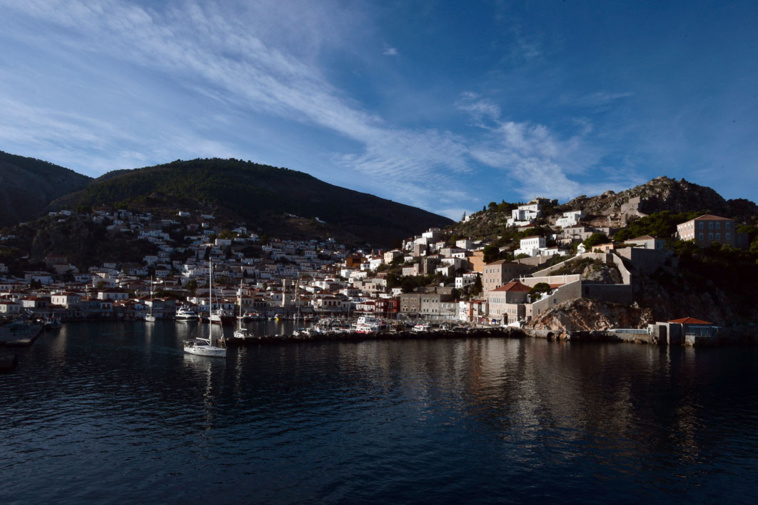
(19, 335)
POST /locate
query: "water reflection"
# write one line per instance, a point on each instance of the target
(372, 419)
(202, 370)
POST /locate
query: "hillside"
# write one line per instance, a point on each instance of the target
(616, 210)
(276, 201)
(28, 185)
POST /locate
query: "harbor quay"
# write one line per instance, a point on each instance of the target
(19, 334)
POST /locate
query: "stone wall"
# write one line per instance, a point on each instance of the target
(551, 279)
(563, 294)
(646, 261)
(547, 271)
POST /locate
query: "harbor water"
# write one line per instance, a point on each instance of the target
(115, 412)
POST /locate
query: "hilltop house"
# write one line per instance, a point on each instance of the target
(707, 229)
(525, 214)
(570, 218)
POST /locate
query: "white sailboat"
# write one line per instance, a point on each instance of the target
(150, 317)
(240, 332)
(204, 346)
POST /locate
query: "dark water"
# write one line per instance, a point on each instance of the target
(116, 413)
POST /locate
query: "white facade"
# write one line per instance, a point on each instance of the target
(571, 218)
(531, 246)
(465, 280)
(525, 214)
(7, 307)
(464, 244)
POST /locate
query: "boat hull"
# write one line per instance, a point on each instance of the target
(215, 352)
(201, 348)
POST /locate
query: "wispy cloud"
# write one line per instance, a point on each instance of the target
(597, 99)
(202, 49)
(533, 157)
(240, 68)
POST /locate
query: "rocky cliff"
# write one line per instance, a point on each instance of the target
(657, 195)
(589, 315)
(666, 295)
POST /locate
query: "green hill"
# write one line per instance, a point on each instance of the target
(277, 201)
(28, 185)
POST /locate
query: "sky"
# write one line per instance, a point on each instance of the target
(442, 105)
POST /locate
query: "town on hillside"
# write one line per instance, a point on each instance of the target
(434, 277)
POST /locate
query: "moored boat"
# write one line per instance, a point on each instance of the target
(186, 313)
(205, 346)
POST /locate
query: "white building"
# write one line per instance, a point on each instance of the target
(531, 246)
(465, 280)
(525, 214)
(570, 218)
(464, 244)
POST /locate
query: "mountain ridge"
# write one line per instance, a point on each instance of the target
(275, 201)
(28, 185)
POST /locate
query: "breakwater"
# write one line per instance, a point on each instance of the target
(352, 336)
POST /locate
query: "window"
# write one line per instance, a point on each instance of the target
(718, 226)
(700, 225)
(728, 236)
(700, 236)
(710, 236)
(710, 225)
(727, 225)
(718, 236)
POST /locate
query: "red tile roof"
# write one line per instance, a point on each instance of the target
(689, 320)
(711, 217)
(514, 286)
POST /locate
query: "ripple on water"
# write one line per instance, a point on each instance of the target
(106, 416)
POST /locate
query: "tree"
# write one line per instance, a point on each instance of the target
(477, 286)
(596, 239)
(536, 292)
(191, 286)
(491, 253)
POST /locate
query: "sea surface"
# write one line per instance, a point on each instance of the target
(117, 413)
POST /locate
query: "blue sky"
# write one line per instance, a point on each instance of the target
(443, 105)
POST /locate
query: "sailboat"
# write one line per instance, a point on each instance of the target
(240, 332)
(150, 317)
(204, 346)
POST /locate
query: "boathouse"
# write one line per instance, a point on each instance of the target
(685, 331)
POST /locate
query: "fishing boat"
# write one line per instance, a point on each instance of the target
(205, 346)
(186, 313)
(368, 324)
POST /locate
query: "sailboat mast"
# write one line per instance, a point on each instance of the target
(210, 302)
(239, 302)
